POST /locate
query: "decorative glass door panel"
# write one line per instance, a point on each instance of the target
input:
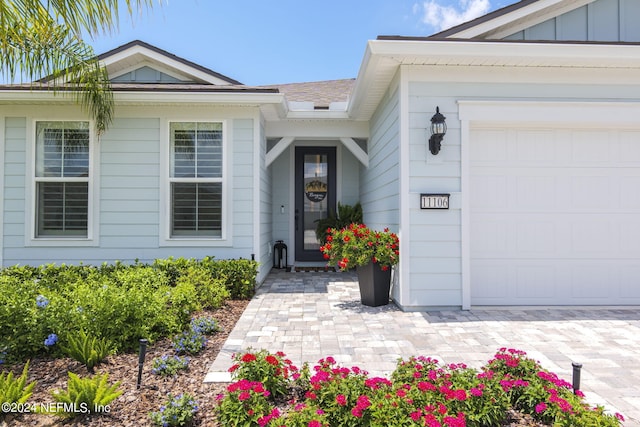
(315, 197)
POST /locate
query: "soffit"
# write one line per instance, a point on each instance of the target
(384, 58)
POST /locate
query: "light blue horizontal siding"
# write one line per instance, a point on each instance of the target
(130, 168)
(129, 197)
(380, 182)
(14, 182)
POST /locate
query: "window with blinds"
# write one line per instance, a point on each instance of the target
(62, 179)
(196, 174)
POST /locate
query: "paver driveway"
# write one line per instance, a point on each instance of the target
(313, 315)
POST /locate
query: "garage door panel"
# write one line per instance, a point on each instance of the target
(491, 282)
(535, 238)
(555, 217)
(593, 235)
(491, 237)
(535, 193)
(590, 148)
(629, 151)
(491, 193)
(630, 192)
(591, 280)
(535, 281)
(533, 147)
(629, 288)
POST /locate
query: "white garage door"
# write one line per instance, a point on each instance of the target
(555, 216)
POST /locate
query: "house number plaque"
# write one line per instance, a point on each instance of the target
(434, 201)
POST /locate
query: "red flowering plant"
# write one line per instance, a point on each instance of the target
(541, 393)
(272, 370)
(420, 392)
(358, 245)
(246, 403)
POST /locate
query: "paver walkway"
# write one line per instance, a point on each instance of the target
(313, 315)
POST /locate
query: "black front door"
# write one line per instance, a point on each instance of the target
(315, 189)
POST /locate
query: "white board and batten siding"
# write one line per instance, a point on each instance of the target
(554, 206)
(602, 20)
(130, 190)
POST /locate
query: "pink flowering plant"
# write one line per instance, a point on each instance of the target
(420, 392)
(272, 370)
(358, 245)
(246, 403)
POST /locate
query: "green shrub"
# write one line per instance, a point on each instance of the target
(239, 275)
(211, 291)
(86, 349)
(15, 390)
(118, 302)
(86, 395)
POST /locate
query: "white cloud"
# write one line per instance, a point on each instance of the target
(442, 17)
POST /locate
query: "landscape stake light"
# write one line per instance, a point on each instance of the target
(576, 375)
(141, 355)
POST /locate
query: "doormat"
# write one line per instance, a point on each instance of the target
(323, 269)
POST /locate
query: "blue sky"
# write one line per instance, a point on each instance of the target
(262, 42)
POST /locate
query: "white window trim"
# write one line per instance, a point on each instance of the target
(165, 189)
(93, 210)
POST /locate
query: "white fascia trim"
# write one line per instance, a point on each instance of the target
(162, 59)
(485, 53)
(317, 114)
(227, 98)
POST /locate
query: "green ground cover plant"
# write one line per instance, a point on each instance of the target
(86, 395)
(15, 390)
(43, 308)
(420, 392)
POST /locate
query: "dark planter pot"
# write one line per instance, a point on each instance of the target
(374, 284)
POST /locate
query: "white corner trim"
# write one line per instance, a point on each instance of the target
(465, 214)
(278, 149)
(404, 227)
(355, 149)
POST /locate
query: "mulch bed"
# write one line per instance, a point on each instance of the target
(132, 408)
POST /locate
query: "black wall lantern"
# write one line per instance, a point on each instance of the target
(438, 129)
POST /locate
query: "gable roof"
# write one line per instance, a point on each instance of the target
(511, 19)
(137, 53)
